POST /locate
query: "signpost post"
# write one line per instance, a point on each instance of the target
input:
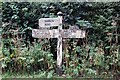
(56, 33)
(59, 46)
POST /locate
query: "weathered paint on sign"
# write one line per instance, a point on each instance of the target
(44, 33)
(47, 22)
(73, 33)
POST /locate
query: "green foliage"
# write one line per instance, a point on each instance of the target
(97, 56)
(27, 58)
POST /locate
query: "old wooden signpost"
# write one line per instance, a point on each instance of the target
(56, 33)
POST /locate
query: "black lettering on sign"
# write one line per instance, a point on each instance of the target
(47, 24)
(49, 20)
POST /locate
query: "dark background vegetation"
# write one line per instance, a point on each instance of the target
(96, 55)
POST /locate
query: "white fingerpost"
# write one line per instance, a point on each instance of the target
(47, 22)
(56, 33)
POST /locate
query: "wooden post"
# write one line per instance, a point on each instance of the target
(59, 47)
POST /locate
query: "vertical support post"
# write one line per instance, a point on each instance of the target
(59, 47)
(1, 45)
